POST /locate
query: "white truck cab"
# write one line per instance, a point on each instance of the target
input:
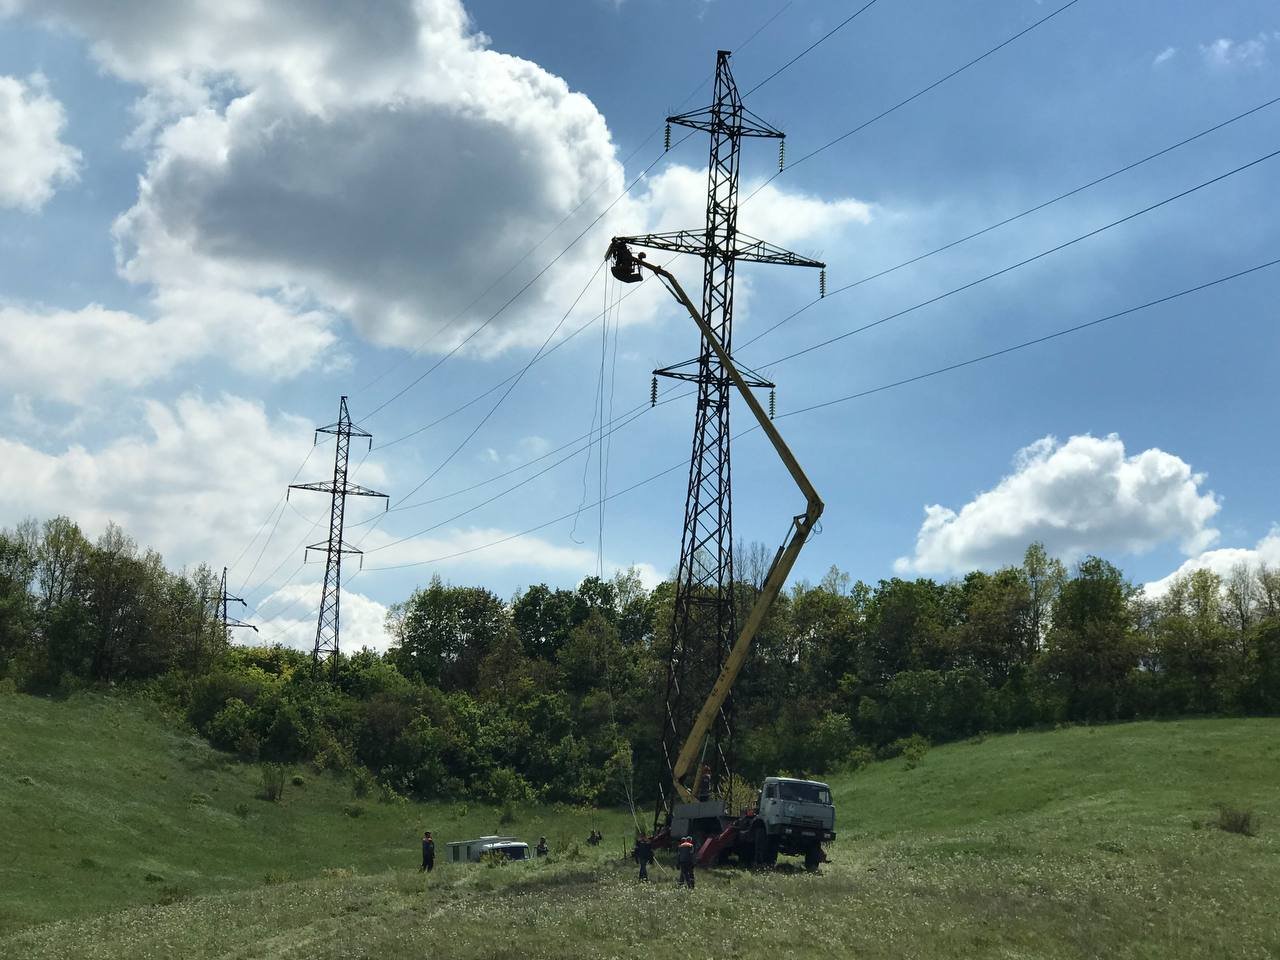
(798, 815)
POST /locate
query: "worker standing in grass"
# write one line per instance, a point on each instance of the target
(643, 855)
(684, 860)
(541, 848)
(428, 853)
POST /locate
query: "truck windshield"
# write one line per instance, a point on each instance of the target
(805, 792)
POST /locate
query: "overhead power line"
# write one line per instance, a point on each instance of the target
(1032, 342)
(888, 386)
(1017, 216)
(915, 96)
(817, 43)
(1022, 263)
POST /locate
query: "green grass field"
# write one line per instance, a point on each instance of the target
(122, 839)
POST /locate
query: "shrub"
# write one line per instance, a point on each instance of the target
(388, 794)
(8, 687)
(230, 725)
(272, 781)
(200, 799)
(298, 780)
(274, 877)
(150, 877)
(1244, 822)
(508, 815)
(26, 781)
(362, 783)
(242, 811)
(353, 810)
(175, 893)
(859, 757)
(915, 750)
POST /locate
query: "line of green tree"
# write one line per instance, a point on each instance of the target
(556, 693)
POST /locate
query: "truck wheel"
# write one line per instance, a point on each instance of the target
(812, 857)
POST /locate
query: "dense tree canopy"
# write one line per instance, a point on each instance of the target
(557, 693)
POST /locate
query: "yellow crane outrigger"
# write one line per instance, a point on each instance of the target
(626, 267)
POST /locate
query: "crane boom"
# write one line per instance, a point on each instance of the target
(626, 267)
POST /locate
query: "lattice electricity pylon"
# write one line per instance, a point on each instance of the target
(328, 625)
(221, 602)
(704, 624)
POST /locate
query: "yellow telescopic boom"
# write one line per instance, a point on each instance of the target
(801, 526)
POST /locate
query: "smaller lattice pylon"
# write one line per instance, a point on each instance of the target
(221, 603)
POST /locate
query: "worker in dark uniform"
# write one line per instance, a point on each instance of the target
(643, 855)
(541, 848)
(684, 860)
(704, 783)
(428, 853)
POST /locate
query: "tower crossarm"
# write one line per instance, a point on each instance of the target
(745, 248)
(347, 489)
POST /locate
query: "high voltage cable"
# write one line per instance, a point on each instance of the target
(497, 386)
(1023, 263)
(821, 40)
(511, 386)
(914, 260)
(888, 386)
(615, 424)
(1033, 342)
(1018, 216)
(962, 288)
(915, 96)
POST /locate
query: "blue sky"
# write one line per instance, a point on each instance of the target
(223, 224)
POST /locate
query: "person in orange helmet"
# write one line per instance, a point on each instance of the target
(684, 860)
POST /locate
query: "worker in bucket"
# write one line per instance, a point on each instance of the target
(684, 860)
(643, 855)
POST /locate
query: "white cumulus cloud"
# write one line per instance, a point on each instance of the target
(1223, 561)
(288, 616)
(34, 161)
(1082, 496)
(376, 163)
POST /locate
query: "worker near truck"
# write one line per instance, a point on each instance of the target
(684, 860)
(541, 848)
(428, 853)
(643, 855)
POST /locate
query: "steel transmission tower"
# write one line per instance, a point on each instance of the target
(328, 623)
(221, 601)
(704, 625)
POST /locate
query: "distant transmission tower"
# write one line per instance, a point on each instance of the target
(704, 627)
(328, 624)
(221, 601)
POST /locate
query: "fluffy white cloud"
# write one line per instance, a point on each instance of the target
(1077, 497)
(1164, 56)
(172, 484)
(33, 159)
(1225, 53)
(288, 616)
(70, 355)
(379, 163)
(1222, 561)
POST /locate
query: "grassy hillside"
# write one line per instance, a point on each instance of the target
(105, 804)
(1082, 842)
